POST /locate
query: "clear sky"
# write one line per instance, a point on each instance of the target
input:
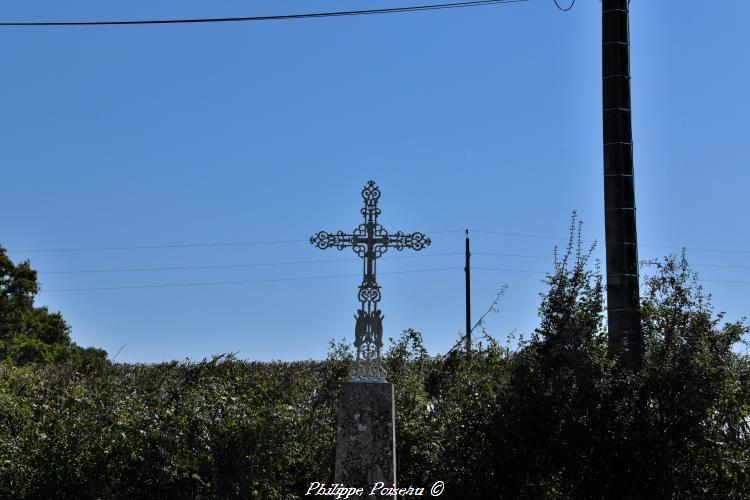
(485, 118)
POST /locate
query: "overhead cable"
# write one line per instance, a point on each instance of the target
(320, 261)
(235, 266)
(285, 17)
(155, 247)
(285, 241)
(565, 9)
(305, 278)
(548, 273)
(240, 282)
(182, 245)
(560, 238)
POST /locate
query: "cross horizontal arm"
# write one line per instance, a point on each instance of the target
(415, 241)
(339, 240)
(379, 240)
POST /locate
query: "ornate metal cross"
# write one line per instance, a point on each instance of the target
(369, 241)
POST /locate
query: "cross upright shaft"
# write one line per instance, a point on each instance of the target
(369, 241)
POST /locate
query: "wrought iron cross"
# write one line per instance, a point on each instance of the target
(369, 241)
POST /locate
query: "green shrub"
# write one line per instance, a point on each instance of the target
(553, 418)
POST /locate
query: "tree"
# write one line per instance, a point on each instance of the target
(574, 423)
(30, 334)
(695, 388)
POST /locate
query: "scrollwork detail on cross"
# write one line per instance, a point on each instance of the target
(369, 241)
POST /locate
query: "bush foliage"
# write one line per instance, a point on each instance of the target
(548, 417)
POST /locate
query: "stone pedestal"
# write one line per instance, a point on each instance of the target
(366, 435)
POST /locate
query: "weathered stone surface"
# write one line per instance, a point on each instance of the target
(366, 435)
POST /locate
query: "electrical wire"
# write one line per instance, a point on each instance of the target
(726, 281)
(282, 241)
(156, 247)
(285, 17)
(235, 266)
(277, 242)
(722, 266)
(184, 245)
(518, 235)
(270, 280)
(239, 282)
(696, 249)
(572, 3)
(508, 270)
(559, 238)
(321, 261)
(541, 272)
(512, 255)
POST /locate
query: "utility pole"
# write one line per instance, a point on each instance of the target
(623, 298)
(467, 269)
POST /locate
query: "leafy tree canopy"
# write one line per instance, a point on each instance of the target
(30, 334)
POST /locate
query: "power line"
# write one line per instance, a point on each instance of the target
(692, 265)
(509, 270)
(725, 266)
(696, 249)
(182, 245)
(445, 231)
(235, 266)
(722, 266)
(394, 10)
(239, 282)
(156, 247)
(320, 261)
(518, 235)
(302, 278)
(540, 272)
(560, 238)
(572, 3)
(512, 255)
(726, 281)
(283, 241)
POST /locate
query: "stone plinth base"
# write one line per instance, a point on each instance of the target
(366, 435)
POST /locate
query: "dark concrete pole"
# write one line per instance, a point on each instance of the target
(467, 269)
(623, 301)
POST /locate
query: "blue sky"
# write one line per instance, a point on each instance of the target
(486, 118)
